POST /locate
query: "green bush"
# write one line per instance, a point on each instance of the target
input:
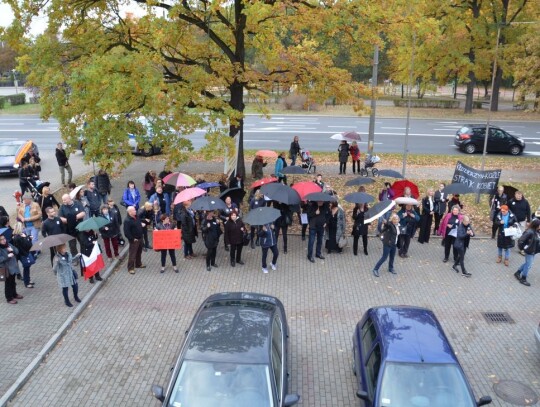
(18, 99)
(2, 102)
(433, 103)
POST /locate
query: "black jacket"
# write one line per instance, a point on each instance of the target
(61, 157)
(389, 234)
(505, 242)
(133, 229)
(530, 242)
(103, 184)
(359, 229)
(463, 238)
(23, 244)
(233, 231)
(94, 200)
(187, 223)
(45, 202)
(521, 209)
(113, 228)
(211, 232)
(51, 227)
(318, 220)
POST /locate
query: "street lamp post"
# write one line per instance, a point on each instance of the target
(409, 90)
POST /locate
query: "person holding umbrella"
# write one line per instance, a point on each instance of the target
(257, 167)
(268, 241)
(318, 215)
(283, 222)
(359, 228)
(428, 210)
(278, 169)
(211, 231)
(165, 224)
(390, 236)
(343, 156)
(110, 232)
(8, 259)
(65, 274)
(234, 234)
(294, 150)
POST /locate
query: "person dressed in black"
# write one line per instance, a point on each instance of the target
(408, 221)
(499, 199)
(461, 244)
(25, 176)
(46, 200)
(211, 231)
(110, 232)
(234, 232)
(8, 259)
(224, 214)
(165, 224)
(71, 213)
(426, 218)
(93, 197)
(454, 201)
(283, 222)
(448, 231)
(103, 185)
(63, 164)
(52, 226)
(145, 215)
(390, 236)
(294, 150)
(440, 199)
(359, 229)
(23, 243)
(343, 155)
(133, 231)
(88, 240)
(256, 201)
(185, 220)
(318, 215)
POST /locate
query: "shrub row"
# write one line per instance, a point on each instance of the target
(2, 102)
(18, 99)
(434, 103)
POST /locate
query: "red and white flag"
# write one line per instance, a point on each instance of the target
(94, 263)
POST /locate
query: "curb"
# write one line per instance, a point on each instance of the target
(57, 337)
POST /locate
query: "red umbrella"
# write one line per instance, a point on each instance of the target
(261, 182)
(306, 187)
(267, 153)
(399, 187)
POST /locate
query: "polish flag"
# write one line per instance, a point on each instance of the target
(94, 263)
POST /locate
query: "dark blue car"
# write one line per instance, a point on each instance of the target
(401, 357)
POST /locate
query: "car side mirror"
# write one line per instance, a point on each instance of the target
(157, 391)
(291, 399)
(362, 395)
(483, 401)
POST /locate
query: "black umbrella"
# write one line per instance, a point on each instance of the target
(320, 197)
(294, 170)
(359, 197)
(458, 188)
(261, 216)
(208, 203)
(51, 241)
(378, 210)
(281, 193)
(359, 181)
(43, 185)
(389, 173)
(236, 194)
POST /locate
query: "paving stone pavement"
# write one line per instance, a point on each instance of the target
(130, 335)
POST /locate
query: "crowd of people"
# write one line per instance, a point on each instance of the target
(323, 223)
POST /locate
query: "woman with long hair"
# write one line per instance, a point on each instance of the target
(23, 243)
(448, 230)
(165, 224)
(359, 229)
(530, 244)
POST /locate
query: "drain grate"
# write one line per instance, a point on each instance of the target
(516, 393)
(497, 318)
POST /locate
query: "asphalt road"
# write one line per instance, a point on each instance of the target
(426, 136)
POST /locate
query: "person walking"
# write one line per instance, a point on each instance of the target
(408, 221)
(448, 231)
(165, 224)
(282, 223)
(133, 231)
(278, 168)
(343, 156)
(318, 215)
(386, 194)
(185, 220)
(441, 200)
(63, 164)
(65, 274)
(8, 259)
(93, 197)
(131, 196)
(505, 220)
(103, 185)
(257, 167)
(211, 231)
(520, 207)
(390, 236)
(499, 199)
(30, 215)
(355, 157)
(25, 176)
(71, 213)
(110, 232)
(426, 218)
(257, 201)
(529, 242)
(294, 150)
(359, 228)
(335, 228)
(461, 244)
(23, 243)
(234, 233)
(268, 241)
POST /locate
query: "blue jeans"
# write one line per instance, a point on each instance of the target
(32, 231)
(387, 251)
(506, 253)
(315, 232)
(275, 255)
(525, 267)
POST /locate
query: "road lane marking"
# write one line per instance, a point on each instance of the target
(394, 128)
(28, 130)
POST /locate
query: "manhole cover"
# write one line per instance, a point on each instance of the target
(515, 393)
(497, 317)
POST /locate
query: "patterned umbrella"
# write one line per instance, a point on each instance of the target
(179, 179)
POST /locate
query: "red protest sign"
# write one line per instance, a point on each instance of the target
(167, 239)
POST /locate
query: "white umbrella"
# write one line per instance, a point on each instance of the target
(378, 210)
(75, 191)
(346, 135)
(404, 200)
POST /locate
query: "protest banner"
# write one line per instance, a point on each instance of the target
(483, 182)
(167, 239)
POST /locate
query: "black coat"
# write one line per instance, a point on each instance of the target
(103, 184)
(113, 228)
(505, 242)
(359, 228)
(61, 157)
(521, 209)
(233, 231)
(530, 242)
(211, 231)
(318, 220)
(133, 229)
(463, 238)
(51, 227)
(187, 224)
(46, 201)
(23, 244)
(440, 202)
(389, 234)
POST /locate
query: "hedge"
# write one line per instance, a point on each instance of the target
(2, 102)
(436, 103)
(18, 99)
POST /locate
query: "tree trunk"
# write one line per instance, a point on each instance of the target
(470, 85)
(496, 87)
(237, 103)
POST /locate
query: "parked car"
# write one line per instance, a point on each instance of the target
(234, 354)
(11, 153)
(402, 357)
(470, 139)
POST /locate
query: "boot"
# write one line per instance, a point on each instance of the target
(98, 277)
(75, 288)
(517, 275)
(66, 298)
(252, 244)
(91, 280)
(499, 259)
(365, 251)
(524, 281)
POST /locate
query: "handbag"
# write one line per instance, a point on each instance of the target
(342, 242)
(3, 274)
(28, 260)
(246, 239)
(511, 231)
(123, 203)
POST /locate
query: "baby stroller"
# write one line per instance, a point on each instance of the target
(308, 161)
(369, 164)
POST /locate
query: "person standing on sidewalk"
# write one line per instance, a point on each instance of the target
(71, 213)
(448, 231)
(408, 221)
(234, 233)
(110, 232)
(52, 226)
(426, 218)
(133, 231)
(318, 216)
(268, 241)
(29, 214)
(93, 198)
(8, 259)
(63, 164)
(530, 244)
(520, 207)
(23, 243)
(343, 156)
(441, 200)
(359, 228)
(461, 244)
(165, 224)
(103, 185)
(256, 201)
(505, 220)
(390, 236)
(355, 157)
(386, 194)
(65, 274)
(185, 220)
(294, 150)
(499, 199)
(211, 231)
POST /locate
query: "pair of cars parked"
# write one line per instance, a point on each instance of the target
(11, 154)
(236, 354)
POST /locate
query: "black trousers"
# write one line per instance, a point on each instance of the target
(449, 243)
(10, 288)
(284, 228)
(356, 164)
(236, 252)
(211, 256)
(356, 238)
(172, 255)
(342, 167)
(275, 254)
(438, 218)
(404, 242)
(145, 237)
(425, 228)
(460, 259)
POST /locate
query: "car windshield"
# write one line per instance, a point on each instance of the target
(464, 129)
(222, 384)
(8, 149)
(424, 385)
